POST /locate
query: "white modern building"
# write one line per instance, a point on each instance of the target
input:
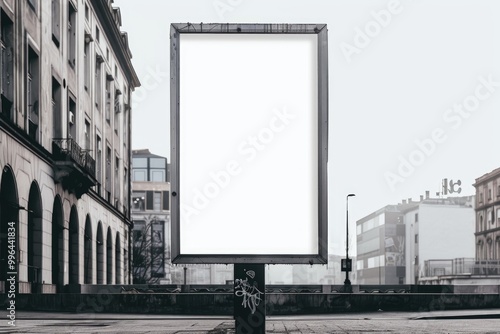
(66, 83)
(395, 242)
(438, 228)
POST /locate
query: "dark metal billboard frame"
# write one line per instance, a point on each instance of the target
(321, 31)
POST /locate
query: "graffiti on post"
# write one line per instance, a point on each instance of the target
(249, 292)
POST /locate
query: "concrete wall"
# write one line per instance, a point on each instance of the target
(276, 304)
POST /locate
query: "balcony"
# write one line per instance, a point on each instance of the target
(73, 167)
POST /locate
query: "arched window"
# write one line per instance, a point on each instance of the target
(100, 255)
(35, 233)
(73, 246)
(88, 259)
(57, 243)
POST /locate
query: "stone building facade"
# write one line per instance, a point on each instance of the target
(65, 117)
(488, 217)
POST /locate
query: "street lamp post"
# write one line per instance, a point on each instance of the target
(347, 282)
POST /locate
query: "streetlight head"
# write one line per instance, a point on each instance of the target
(350, 195)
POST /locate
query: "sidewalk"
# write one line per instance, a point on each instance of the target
(464, 321)
(451, 314)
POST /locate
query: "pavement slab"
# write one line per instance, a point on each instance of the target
(462, 321)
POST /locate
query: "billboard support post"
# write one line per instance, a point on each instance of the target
(249, 298)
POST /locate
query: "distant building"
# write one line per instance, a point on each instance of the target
(151, 235)
(151, 217)
(328, 274)
(483, 270)
(436, 229)
(381, 247)
(488, 217)
(394, 242)
(66, 84)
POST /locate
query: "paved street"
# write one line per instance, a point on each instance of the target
(464, 321)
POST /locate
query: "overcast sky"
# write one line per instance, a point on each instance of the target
(414, 89)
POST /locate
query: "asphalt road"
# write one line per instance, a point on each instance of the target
(463, 321)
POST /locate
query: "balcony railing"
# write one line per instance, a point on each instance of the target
(73, 166)
(461, 266)
(67, 147)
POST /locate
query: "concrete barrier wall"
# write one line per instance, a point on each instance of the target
(276, 304)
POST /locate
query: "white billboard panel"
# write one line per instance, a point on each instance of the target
(249, 143)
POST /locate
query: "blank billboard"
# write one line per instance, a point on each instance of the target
(249, 143)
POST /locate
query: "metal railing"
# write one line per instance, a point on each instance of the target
(67, 147)
(461, 266)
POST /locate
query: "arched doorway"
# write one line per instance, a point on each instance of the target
(87, 252)
(100, 254)
(58, 243)
(109, 257)
(73, 245)
(9, 213)
(118, 260)
(35, 233)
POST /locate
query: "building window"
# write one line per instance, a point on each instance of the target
(118, 109)
(71, 35)
(117, 178)
(87, 135)
(138, 201)
(98, 82)
(489, 194)
(166, 200)
(157, 249)
(157, 175)
(56, 21)
(108, 98)
(86, 62)
(56, 108)
(139, 163)
(98, 162)
(97, 34)
(151, 200)
(108, 174)
(416, 218)
(157, 201)
(138, 232)
(416, 238)
(72, 118)
(32, 94)
(87, 12)
(481, 197)
(158, 163)
(7, 63)
(158, 167)
(107, 53)
(140, 175)
(125, 188)
(125, 117)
